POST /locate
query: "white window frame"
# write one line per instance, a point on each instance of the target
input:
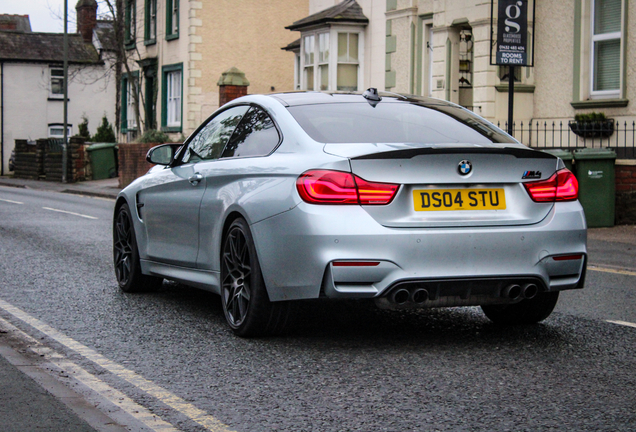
(51, 78)
(297, 71)
(175, 17)
(303, 53)
(320, 37)
(606, 94)
(131, 118)
(428, 58)
(69, 129)
(333, 55)
(152, 25)
(173, 98)
(335, 82)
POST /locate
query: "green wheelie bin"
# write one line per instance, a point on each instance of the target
(597, 188)
(103, 161)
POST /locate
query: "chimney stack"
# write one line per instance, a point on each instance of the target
(86, 19)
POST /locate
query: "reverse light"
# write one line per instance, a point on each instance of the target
(337, 187)
(562, 186)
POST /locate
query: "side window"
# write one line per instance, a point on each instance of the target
(210, 141)
(256, 135)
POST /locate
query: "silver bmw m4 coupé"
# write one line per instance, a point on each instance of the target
(411, 202)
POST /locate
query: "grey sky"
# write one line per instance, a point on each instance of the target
(45, 15)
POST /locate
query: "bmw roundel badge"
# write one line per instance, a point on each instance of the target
(465, 167)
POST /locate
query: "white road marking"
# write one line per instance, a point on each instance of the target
(623, 323)
(611, 270)
(68, 212)
(10, 201)
(187, 409)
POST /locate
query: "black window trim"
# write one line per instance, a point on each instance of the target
(280, 134)
(177, 158)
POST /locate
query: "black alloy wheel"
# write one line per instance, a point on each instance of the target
(238, 274)
(126, 256)
(244, 298)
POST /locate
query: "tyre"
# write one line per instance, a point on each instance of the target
(527, 311)
(126, 256)
(246, 305)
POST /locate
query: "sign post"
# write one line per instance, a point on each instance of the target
(512, 45)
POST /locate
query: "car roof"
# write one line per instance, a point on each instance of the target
(315, 97)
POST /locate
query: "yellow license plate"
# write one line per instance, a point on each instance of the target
(459, 199)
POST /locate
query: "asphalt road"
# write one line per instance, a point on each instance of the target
(346, 366)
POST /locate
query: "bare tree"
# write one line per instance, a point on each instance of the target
(123, 56)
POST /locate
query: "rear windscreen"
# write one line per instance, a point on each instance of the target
(395, 123)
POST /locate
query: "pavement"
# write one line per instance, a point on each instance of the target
(107, 188)
(30, 401)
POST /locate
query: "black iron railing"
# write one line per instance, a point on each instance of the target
(619, 136)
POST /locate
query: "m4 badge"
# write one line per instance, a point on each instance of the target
(531, 175)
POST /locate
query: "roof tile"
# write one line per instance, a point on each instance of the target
(347, 11)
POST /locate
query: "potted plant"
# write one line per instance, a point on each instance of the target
(592, 125)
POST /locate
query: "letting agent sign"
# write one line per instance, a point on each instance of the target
(512, 33)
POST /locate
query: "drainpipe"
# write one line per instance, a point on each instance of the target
(1, 118)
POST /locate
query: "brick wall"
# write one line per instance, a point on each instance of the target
(132, 161)
(625, 178)
(230, 92)
(625, 194)
(29, 159)
(43, 160)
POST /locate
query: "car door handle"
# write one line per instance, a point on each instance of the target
(195, 179)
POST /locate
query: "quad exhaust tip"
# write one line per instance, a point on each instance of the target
(530, 291)
(514, 291)
(419, 295)
(400, 296)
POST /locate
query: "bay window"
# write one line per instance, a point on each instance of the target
(330, 60)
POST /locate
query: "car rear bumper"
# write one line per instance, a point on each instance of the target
(297, 250)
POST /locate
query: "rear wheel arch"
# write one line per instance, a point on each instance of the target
(244, 297)
(230, 218)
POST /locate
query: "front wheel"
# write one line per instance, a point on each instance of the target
(126, 256)
(244, 298)
(527, 311)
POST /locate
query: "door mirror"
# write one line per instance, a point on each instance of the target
(163, 154)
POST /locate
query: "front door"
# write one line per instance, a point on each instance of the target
(169, 207)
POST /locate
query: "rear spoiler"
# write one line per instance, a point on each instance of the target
(519, 153)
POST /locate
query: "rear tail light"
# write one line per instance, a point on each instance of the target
(562, 186)
(375, 193)
(337, 187)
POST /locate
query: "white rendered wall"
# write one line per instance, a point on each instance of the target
(28, 110)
